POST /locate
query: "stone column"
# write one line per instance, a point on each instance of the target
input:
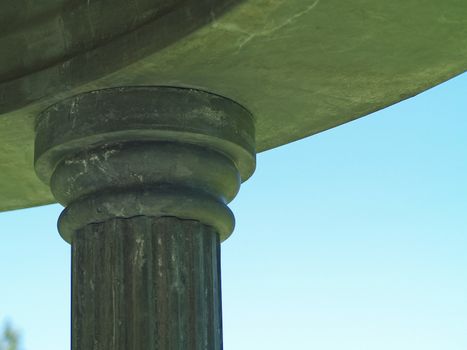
(145, 174)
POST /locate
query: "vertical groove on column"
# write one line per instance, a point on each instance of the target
(146, 284)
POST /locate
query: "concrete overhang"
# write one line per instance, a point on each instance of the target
(300, 66)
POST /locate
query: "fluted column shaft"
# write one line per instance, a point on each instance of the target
(146, 283)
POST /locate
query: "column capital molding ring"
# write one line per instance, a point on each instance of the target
(145, 151)
(144, 113)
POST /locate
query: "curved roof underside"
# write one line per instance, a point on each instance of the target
(300, 66)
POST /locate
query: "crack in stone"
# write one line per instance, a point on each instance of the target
(230, 27)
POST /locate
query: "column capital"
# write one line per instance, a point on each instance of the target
(152, 151)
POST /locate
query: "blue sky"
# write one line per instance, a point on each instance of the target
(355, 239)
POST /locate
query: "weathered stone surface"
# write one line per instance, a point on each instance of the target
(146, 284)
(146, 174)
(300, 66)
(152, 151)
